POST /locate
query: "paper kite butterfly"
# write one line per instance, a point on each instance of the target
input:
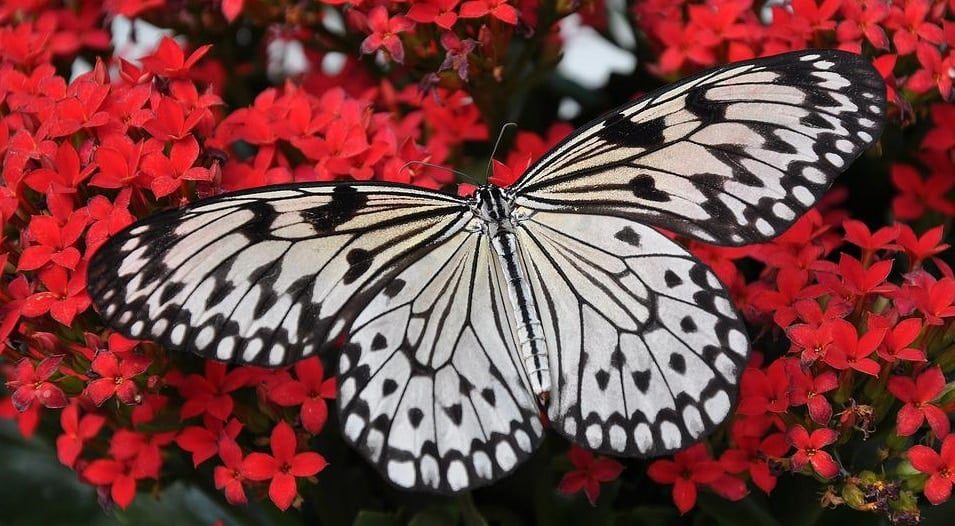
(464, 318)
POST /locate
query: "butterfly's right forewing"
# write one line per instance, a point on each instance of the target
(267, 276)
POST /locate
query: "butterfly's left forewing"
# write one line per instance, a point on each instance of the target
(731, 156)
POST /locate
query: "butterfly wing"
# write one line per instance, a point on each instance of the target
(731, 156)
(266, 276)
(645, 347)
(432, 392)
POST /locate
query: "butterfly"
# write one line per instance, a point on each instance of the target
(458, 320)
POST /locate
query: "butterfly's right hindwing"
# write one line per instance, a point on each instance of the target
(267, 276)
(431, 389)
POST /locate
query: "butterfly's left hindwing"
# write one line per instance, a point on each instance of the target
(646, 349)
(267, 276)
(730, 156)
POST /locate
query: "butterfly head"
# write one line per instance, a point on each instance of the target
(491, 204)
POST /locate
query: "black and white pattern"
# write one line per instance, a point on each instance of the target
(464, 318)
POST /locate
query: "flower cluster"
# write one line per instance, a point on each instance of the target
(851, 312)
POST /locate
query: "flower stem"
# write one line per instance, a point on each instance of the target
(469, 512)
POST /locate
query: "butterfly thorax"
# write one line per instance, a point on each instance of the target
(492, 205)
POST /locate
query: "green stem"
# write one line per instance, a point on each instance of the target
(469, 512)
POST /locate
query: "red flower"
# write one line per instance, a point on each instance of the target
(310, 391)
(908, 21)
(210, 393)
(808, 389)
(684, 43)
(589, 473)
(919, 248)
(116, 377)
(230, 477)
(54, 242)
(859, 235)
(76, 431)
(936, 300)
(168, 172)
(809, 450)
(765, 391)
(942, 134)
(65, 295)
(282, 466)
(440, 12)
(895, 346)
(863, 18)
(384, 33)
(917, 396)
(169, 60)
(689, 468)
(120, 476)
(791, 286)
(203, 441)
(813, 342)
(917, 194)
(31, 384)
(940, 469)
(849, 351)
(934, 71)
(499, 9)
(171, 122)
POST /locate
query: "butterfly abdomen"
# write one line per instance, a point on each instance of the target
(493, 207)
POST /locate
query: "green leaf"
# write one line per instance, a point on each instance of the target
(376, 518)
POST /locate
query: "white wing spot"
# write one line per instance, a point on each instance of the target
(125, 317)
(803, 195)
(864, 136)
(807, 58)
(643, 437)
(136, 328)
(717, 407)
(595, 435)
(618, 438)
(482, 465)
(430, 471)
(225, 348)
(252, 350)
(813, 174)
(782, 211)
(353, 426)
(457, 475)
(401, 473)
(523, 441)
(505, 456)
(670, 434)
(177, 334)
(823, 64)
(868, 123)
(726, 367)
(693, 421)
(844, 145)
(835, 159)
(276, 354)
(764, 227)
(737, 341)
(875, 109)
(204, 338)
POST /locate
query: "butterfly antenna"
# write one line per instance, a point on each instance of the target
(462, 175)
(500, 135)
